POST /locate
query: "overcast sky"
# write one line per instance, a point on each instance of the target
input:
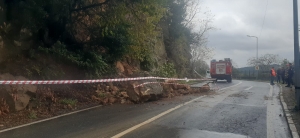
(235, 19)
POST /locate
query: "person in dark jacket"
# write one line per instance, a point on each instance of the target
(290, 75)
(282, 74)
(278, 72)
(286, 74)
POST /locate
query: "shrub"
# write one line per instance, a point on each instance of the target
(166, 70)
(68, 102)
(32, 115)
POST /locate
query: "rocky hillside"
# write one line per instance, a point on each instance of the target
(93, 39)
(71, 39)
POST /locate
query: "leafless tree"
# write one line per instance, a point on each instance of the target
(193, 9)
(264, 61)
(199, 49)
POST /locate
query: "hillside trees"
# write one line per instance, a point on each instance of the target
(264, 61)
(186, 40)
(93, 34)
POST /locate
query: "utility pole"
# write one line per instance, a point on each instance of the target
(296, 55)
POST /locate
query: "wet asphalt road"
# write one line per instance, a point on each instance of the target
(237, 110)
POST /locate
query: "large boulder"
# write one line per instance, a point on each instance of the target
(16, 96)
(144, 93)
(205, 88)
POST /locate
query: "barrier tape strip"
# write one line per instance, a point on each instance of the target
(17, 82)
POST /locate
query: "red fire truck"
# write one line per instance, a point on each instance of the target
(221, 70)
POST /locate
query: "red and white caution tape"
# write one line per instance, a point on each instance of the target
(16, 82)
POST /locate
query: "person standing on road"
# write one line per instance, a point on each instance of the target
(278, 74)
(273, 75)
(286, 74)
(290, 73)
(283, 75)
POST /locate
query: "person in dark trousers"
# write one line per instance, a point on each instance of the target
(273, 75)
(278, 75)
(290, 75)
(282, 75)
(286, 74)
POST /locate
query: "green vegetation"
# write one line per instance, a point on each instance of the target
(166, 70)
(32, 115)
(102, 95)
(49, 37)
(68, 102)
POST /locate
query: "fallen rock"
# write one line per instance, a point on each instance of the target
(115, 89)
(183, 86)
(123, 101)
(108, 94)
(16, 96)
(183, 91)
(95, 98)
(112, 100)
(132, 92)
(4, 107)
(99, 89)
(205, 88)
(107, 88)
(145, 93)
(114, 93)
(110, 84)
(104, 101)
(124, 94)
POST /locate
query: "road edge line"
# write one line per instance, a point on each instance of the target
(47, 119)
(230, 86)
(290, 123)
(118, 135)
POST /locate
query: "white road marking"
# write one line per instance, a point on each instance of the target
(249, 88)
(161, 114)
(270, 114)
(153, 118)
(230, 86)
(51, 118)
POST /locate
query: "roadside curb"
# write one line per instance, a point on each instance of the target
(47, 119)
(287, 115)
